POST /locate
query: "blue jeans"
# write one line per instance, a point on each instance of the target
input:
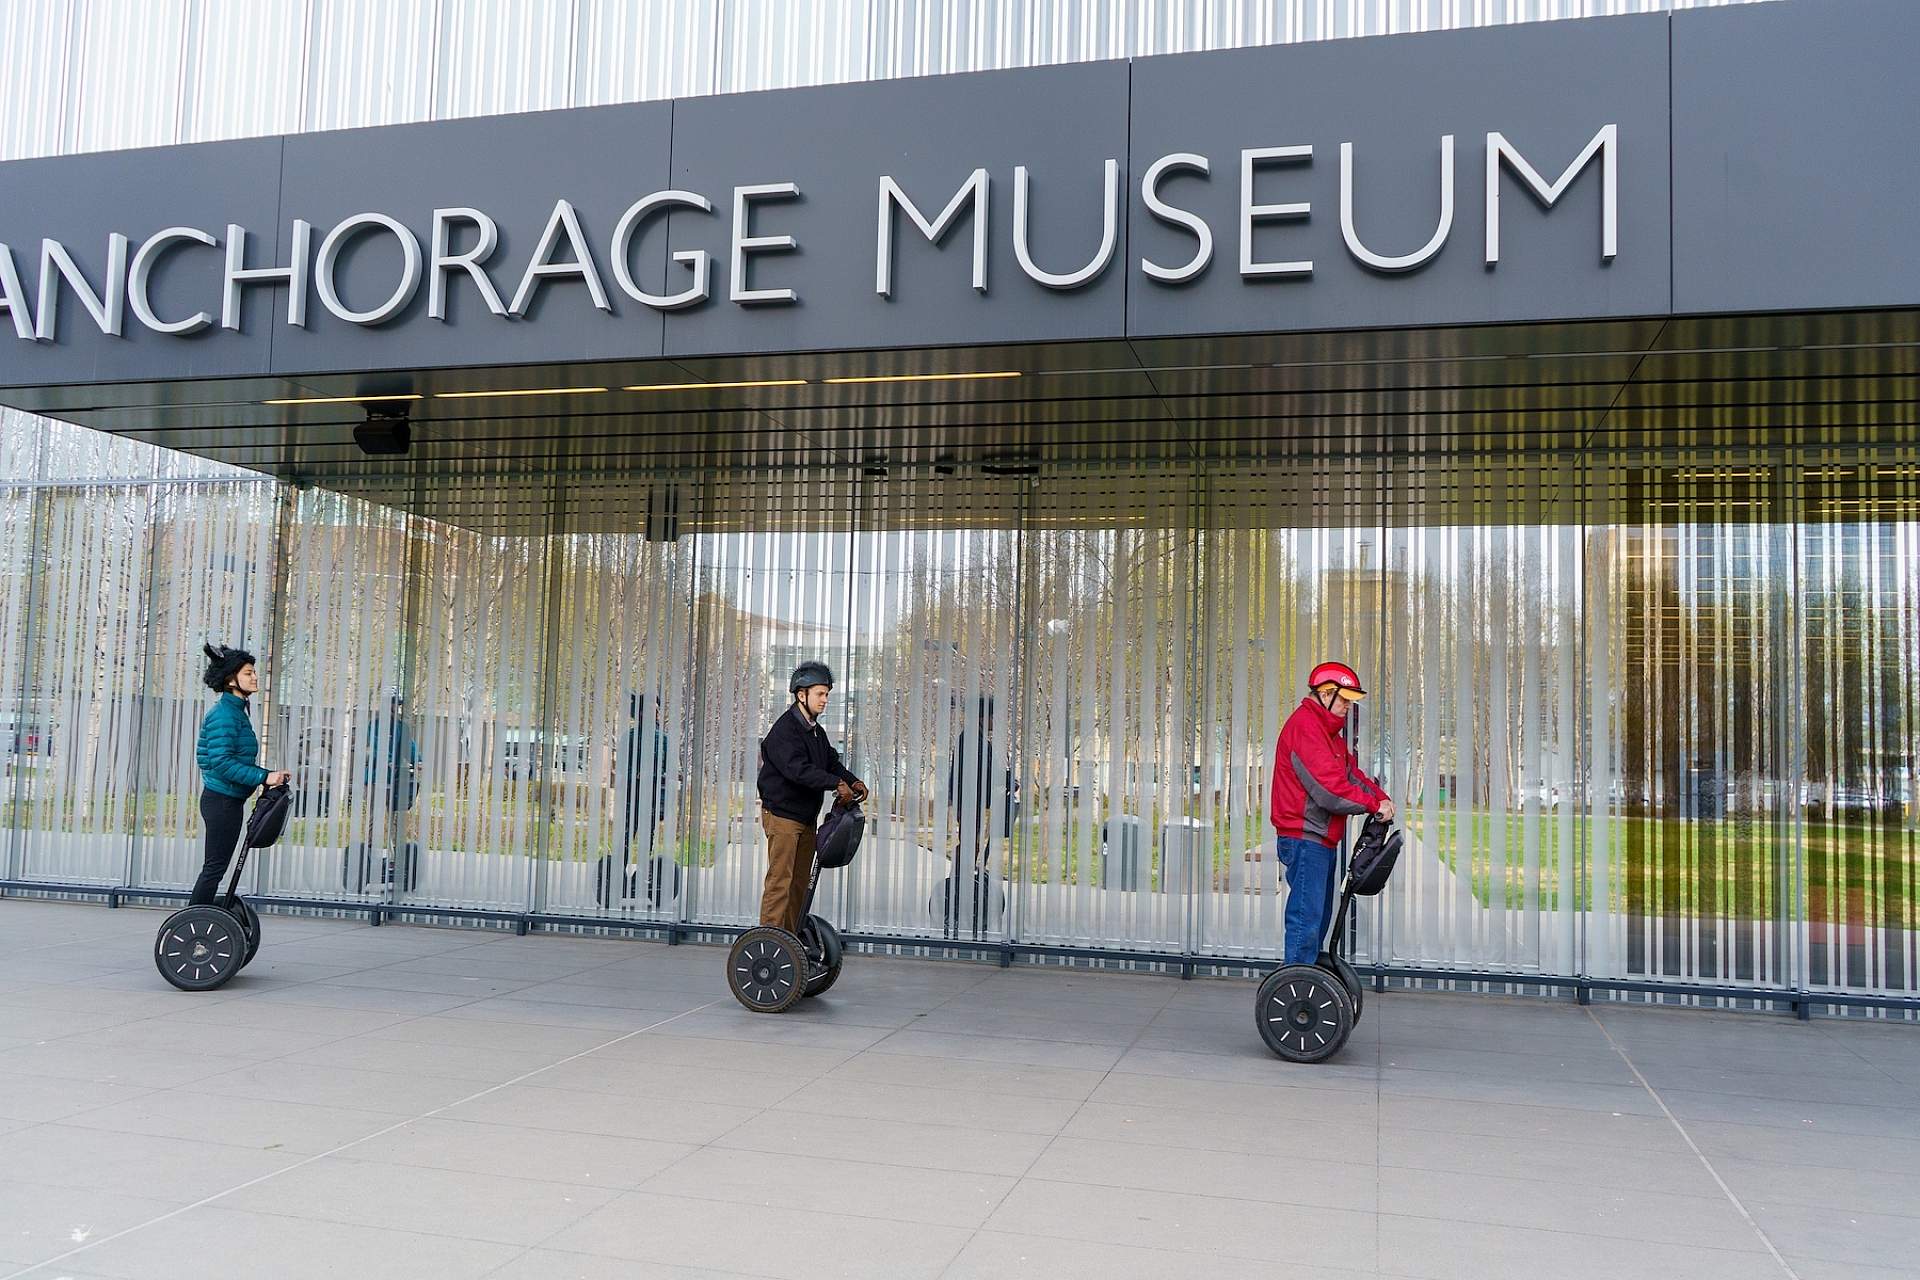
(1309, 867)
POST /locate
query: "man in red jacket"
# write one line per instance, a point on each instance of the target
(1316, 783)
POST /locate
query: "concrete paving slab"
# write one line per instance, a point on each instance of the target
(553, 1264)
(1209, 1226)
(134, 1165)
(1295, 1176)
(788, 1243)
(261, 1124)
(1440, 1249)
(212, 1240)
(39, 1222)
(39, 1098)
(548, 1155)
(440, 1202)
(939, 1197)
(972, 1149)
(836, 1095)
(1010, 1255)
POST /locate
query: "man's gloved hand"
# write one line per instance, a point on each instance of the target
(843, 793)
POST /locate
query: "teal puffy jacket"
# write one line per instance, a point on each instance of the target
(228, 749)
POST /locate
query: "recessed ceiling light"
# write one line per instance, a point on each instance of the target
(716, 386)
(518, 391)
(340, 399)
(928, 377)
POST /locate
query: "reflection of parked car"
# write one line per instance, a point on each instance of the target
(519, 755)
(1820, 795)
(28, 736)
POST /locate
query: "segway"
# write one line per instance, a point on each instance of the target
(201, 947)
(769, 969)
(1305, 1012)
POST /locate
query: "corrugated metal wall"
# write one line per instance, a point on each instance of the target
(93, 75)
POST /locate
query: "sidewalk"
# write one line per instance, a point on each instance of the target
(451, 1103)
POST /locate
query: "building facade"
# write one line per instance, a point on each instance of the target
(1635, 578)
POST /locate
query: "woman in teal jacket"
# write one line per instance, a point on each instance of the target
(228, 755)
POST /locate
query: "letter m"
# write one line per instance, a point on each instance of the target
(1605, 144)
(975, 188)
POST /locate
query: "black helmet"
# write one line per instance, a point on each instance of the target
(809, 674)
(223, 664)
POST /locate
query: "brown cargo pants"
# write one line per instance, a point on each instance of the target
(789, 864)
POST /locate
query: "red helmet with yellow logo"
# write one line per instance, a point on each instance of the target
(1342, 678)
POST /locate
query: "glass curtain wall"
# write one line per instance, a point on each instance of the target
(1646, 723)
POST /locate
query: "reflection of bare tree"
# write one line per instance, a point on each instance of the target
(1111, 646)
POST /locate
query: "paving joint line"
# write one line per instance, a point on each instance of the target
(1693, 1146)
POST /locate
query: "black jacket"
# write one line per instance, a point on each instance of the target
(798, 766)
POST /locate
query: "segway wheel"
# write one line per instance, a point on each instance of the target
(1349, 978)
(1304, 1013)
(249, 928)
(767, 969)
(199, 948)
(824, 952)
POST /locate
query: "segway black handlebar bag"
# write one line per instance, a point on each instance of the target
(1374, 856)
(269, 816)
(838, 838)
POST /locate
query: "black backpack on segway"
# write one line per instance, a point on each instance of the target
(201, 947)
(1305, 1012)
(770, 970)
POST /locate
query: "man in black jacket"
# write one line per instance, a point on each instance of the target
(798, 766)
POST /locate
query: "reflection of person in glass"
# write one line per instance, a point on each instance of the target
(982, 806)
(798, 767)
(391, 776)
(971, 795)
(227, 752)
(393, 757)
(1317, 783)
(642, 754)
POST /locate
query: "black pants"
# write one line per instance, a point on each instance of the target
(222, 816)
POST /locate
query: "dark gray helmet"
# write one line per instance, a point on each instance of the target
(809, 674)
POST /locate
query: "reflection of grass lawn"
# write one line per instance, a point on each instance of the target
(1725, 868)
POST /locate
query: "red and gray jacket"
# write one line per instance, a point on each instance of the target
(1316, 780)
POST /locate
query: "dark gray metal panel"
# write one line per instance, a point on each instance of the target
(81, 200)
(512, 168)
(1796, 136)
(929, 135)
(1548, 87)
